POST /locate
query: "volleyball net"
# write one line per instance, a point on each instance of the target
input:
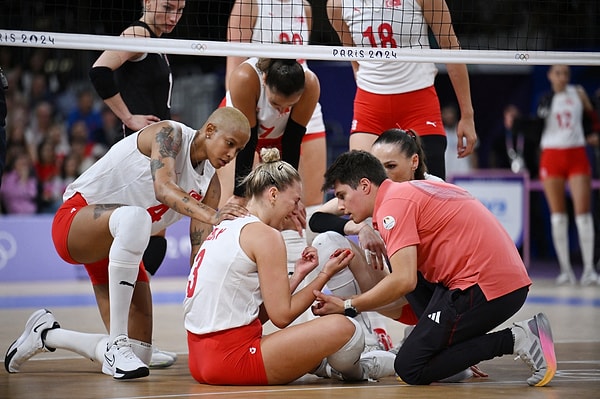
(500, 32)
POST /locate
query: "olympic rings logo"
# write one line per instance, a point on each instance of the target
(199, 46)
(8, 248)
(522, 56)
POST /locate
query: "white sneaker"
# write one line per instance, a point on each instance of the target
(31, 342)
(377, 364)
(534, 345)
(162, 359)
(459, 377)
(566, 278)
(121, 362)
(589, 278)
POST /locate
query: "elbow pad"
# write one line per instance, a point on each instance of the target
(321, 222)
(104, 82)
(244, 161)
(291, 142)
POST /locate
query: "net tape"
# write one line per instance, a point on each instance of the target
(53, 40)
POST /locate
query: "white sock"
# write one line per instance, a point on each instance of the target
(310, 235)
(560, 239)
(90, 346)
(142, 350)
(585, 231)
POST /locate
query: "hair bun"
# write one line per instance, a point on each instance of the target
(269, 155)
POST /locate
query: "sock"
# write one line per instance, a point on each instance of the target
(560, 239)
(585, 231)
(90, 346)
(142, 350)
(130, 227)
(294, 246)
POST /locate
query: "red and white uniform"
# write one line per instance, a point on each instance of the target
(563, 127)
(123, 176)
(462, 253)
(280, 22)
(223, 289)
(271, 123)
(389, 24)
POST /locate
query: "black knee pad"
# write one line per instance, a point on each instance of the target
(154, 254)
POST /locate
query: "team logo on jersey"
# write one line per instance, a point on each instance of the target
(389, 222)
(252, 350)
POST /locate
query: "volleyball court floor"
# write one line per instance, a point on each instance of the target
(574, 313)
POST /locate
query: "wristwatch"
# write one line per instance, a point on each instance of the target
(349, 310)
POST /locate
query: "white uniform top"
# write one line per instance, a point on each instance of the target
(122, 176)
(389, 24)
(280, 21)
(563, 127)
(223, 290)
(271, 123)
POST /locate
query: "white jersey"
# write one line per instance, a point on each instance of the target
(272, 123)
(563, 127)
(389, 24)
(280, 21)
(122, 176)
(223, 290)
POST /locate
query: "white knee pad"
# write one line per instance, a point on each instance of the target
(346, 360)
(131, 227)
(326, 244)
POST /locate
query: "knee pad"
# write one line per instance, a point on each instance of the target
(130, 226)
(326, 244)
(154, 254)
(346, 360)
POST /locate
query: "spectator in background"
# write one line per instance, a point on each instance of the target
(564, 160)
(19, 191)
(47, 169)
(85, 111)
(39, 126)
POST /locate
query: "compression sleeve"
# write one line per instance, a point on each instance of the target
(104, 81)
(321, 222)
(291, 142)
(244, 161)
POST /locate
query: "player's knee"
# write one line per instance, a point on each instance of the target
(326, 243)
(349, 354)
(131, 226)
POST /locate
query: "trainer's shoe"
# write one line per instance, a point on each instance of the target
(566, 278)
(121, 362)
(377, 364)
(589, 278)
(31, 342)
(385, 341)
(162, 359)
(534, 345)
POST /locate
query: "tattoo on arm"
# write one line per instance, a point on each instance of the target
(169, 142)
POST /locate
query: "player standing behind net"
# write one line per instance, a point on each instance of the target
(144, 183)
(564, 159)
(287, 21)
(137, 86)
(402, 94)
(237, 283)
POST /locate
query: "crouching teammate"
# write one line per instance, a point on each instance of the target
(471, 277)
(146, 182)
(239, 280)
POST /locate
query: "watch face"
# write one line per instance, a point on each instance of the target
(350, 312)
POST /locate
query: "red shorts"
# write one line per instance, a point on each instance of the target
(408, 316)
(98, 271)
(418, 110)
(229, 357)
(564, 163)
